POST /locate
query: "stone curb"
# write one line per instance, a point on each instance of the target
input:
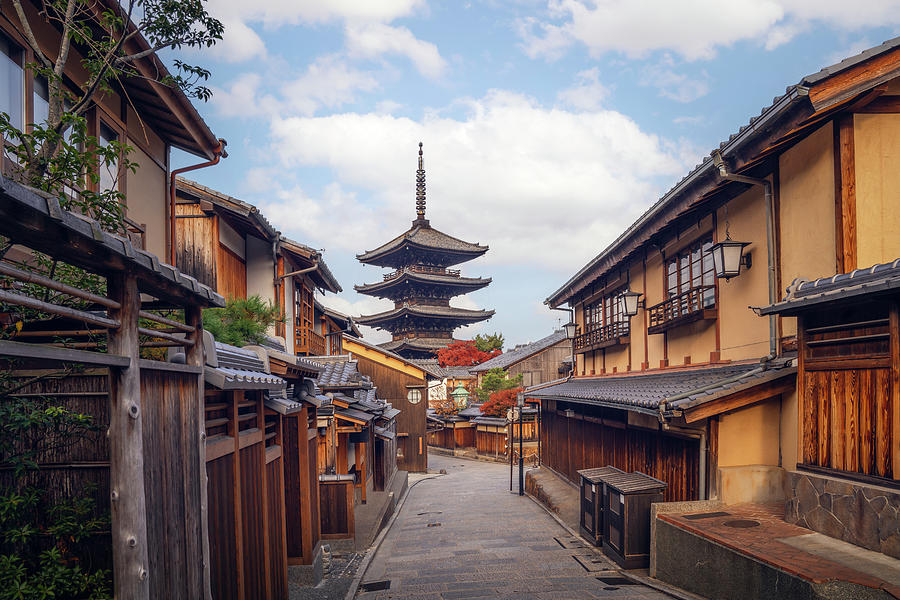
(647, 581)
(373, 549)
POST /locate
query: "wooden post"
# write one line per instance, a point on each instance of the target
(126, 448)
(895, 389)
(196, 356)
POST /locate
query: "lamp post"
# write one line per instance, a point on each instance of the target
(520, 403)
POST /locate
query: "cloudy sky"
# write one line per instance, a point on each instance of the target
(549, 126)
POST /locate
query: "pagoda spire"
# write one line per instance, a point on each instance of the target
(420, 191)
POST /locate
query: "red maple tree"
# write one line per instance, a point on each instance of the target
(463, 353)
(499, 402)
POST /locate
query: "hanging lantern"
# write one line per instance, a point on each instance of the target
(728, 256)
(630, 302)
(571, 329)
(460, 397)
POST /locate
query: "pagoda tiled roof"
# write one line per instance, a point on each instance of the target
(424, 237)
(470, 283)
(422, 344)
(425, 310)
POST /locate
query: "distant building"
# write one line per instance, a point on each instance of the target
(421, 286)
(537, 362)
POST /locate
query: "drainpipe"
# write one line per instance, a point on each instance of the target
(719, 162)
(571, 312)
(219, 153)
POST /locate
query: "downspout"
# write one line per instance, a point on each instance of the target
(571, 312)
(218, 154)
(770, 245)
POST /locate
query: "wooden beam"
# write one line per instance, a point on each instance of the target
(128, 509)
(882, 105)
(845, 193)
(740, 399)
(856, 79)
(895, 389)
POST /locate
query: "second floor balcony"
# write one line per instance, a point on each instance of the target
(613, 334)
(696, 304)
(422, 269)
(309, 342)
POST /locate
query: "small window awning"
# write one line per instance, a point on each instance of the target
(239, 379)
(385, 434)
(390, 413)
(354, 416)
(493, 421)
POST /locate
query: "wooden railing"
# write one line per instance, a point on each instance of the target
(601, 337)
(422, 269)
(693, 305)
(310, 342)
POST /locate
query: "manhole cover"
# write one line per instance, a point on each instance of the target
(374, 586)
(591, 564)
(570, 543)
(434, 524)
(616, 581)
(741, 523)
(708, 515)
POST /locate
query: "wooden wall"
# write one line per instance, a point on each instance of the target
(336, 509)
(490, 442)
(543, 366)
(392, 387)
(197, 239)
(232, 274)
(598, 437)
(301, 490)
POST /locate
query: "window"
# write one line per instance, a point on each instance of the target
(604, 322)
(41, 101)
(12, 81)
(692, 269)
(109, 174)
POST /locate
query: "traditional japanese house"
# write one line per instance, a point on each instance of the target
(332, 326)
(537, 362)
(229, 245)
(150, 118)
(404, 385)
(676, 377)
(421, 284)
(442, 380)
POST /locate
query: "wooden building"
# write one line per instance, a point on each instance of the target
(151, 119)
(331, 326)
(443, 380)
(697, 389)
(538, 362)
(421, 285)
(404, 385)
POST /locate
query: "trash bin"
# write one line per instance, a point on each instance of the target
(626, 517)
(592, 502)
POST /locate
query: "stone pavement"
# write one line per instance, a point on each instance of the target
(463, 535)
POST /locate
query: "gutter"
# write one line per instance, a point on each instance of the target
(219, 153)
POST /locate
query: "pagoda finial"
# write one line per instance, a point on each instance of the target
(420, 187)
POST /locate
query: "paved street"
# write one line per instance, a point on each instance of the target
(463, 535)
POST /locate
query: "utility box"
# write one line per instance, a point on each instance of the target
(592, 502)
(626, 517)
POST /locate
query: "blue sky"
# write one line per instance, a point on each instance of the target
(549, 126)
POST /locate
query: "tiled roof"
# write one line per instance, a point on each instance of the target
(424, 310)
(340, 373)
(757, 125)
(669, 389)
(239, 368)
(497, 421)
(326, 278)
(229, 203)
(433, 368)
(426, 237)
(470, 283)
(878, 279)
(521, 352)
(429, 344)
(473, 410)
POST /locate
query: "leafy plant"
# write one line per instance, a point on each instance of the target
(499, 402)
(242, 321)
(496, 380)
(489, 342)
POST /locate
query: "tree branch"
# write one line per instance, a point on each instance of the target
(29, 34)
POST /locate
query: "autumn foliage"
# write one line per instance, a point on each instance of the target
(500, 402)
(464, 353)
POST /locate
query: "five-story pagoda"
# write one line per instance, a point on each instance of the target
(421, 285)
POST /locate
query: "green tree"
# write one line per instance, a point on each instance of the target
(496, 380)
(489, 342)
(242, 321)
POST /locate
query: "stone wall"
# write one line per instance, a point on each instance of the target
(858, 513)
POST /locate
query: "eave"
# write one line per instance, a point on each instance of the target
(461, 315)
(383, 288)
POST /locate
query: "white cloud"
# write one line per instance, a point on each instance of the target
(363, 306)
(671, 84)
(694, 29)
(239, 43)
(587, 94)
(552, 191)
(371, 40)
(275, 13)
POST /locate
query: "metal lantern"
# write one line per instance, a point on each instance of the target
(728, 256)
(630, 302)
(571, 329)
(460, 397)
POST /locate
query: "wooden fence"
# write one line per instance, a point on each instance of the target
(149, 467)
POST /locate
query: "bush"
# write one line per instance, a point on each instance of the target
(242, 321)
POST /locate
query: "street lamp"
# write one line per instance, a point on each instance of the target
(728, 256)
(570, 329)
(630, 302)
(520, 403)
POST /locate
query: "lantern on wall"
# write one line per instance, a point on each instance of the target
(460, 397)
(728, 257)
(571, 329)
(630, 302)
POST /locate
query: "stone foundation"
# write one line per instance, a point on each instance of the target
(862, 514)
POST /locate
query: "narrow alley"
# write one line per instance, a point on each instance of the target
(463, 535)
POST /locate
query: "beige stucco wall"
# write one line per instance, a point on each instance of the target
(790, 443)
(260, 269)
(654, 295)
(806, 211)
(146, 201)
(877, 160)
(750, 436)
(744, 335)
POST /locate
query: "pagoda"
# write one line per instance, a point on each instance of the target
(421, 285)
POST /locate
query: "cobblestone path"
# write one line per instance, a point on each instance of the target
(463, 535)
